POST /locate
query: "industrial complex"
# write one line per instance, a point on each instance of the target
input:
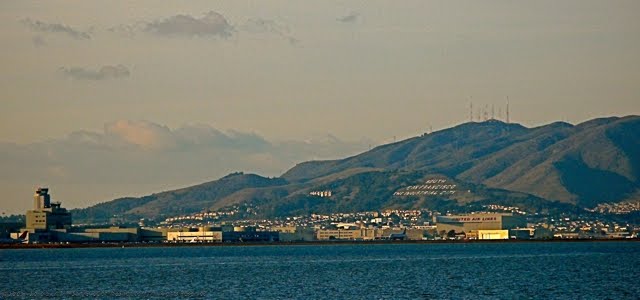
(467, 223)
(49, 222)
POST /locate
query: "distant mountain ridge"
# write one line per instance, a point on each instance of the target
(548, 161)
(182, 201)
(586, 164)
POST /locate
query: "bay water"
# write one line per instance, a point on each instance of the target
(536, 270)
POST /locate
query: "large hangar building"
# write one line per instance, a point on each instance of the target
(474, 222)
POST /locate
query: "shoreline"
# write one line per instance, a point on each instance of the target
(300, 243)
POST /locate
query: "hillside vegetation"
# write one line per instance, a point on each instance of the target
(490, 162)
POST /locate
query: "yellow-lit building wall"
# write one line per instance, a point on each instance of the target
(493, 234)
(194, 236)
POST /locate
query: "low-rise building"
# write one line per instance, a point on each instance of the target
(348, 234)
(108, 235)
(249, 234)
(491, 234)
(521, 233)
(483, 221)
(203, 234)
(46, 215)
(295, 233)
(153, 234)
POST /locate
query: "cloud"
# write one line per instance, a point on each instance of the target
(202, 135)
(248, 141)
(40, 26)
(350, 18)
(38, 41)
(140, 157)
(127, 30)
(105, 72)
(265, 26)
(149, 136)
(146, 136)
(258, 25)
(211, 24)
(139, 133)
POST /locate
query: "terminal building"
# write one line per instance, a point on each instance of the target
(196, 235)
(225, 233)
(46, 215)
(474, 223)
(295, 233)
(44, 218)
(347, 234)
(49, 222)
(367, 234)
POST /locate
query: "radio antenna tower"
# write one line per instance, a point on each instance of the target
(493, 112)
(470, 111)
(507, 109)
(486, 112)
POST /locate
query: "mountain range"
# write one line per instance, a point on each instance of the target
(558, 166)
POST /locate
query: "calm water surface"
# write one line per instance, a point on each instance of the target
(591, 270)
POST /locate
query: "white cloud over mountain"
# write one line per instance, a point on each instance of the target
(105, 72)
(40, 26)
(352, 17)
(144, 153)
(211, 24)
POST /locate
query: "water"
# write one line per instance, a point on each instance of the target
(590, 270)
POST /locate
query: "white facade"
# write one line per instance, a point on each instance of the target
(194, 236)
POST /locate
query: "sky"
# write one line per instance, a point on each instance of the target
(109, 99)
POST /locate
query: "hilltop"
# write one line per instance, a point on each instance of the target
(551, 167)
(596, 161)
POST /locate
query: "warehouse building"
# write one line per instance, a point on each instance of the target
(108, 235)
(295, 233)
(494, 234)
(348, 234)
(224, 233)
(249, 234)
(474, 222)
(200, 235)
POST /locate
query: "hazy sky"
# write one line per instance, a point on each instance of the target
(138, 80)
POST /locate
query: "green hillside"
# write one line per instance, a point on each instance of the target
(489, 162)
(183, 201)
(509, 156)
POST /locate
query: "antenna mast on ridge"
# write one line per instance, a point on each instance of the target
(507, 109)
(485, 113)
(493, 112)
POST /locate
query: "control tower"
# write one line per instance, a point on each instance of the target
(46, 215)
(41, 199)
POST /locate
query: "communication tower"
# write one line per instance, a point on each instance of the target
(486, 112)
(507, 109)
